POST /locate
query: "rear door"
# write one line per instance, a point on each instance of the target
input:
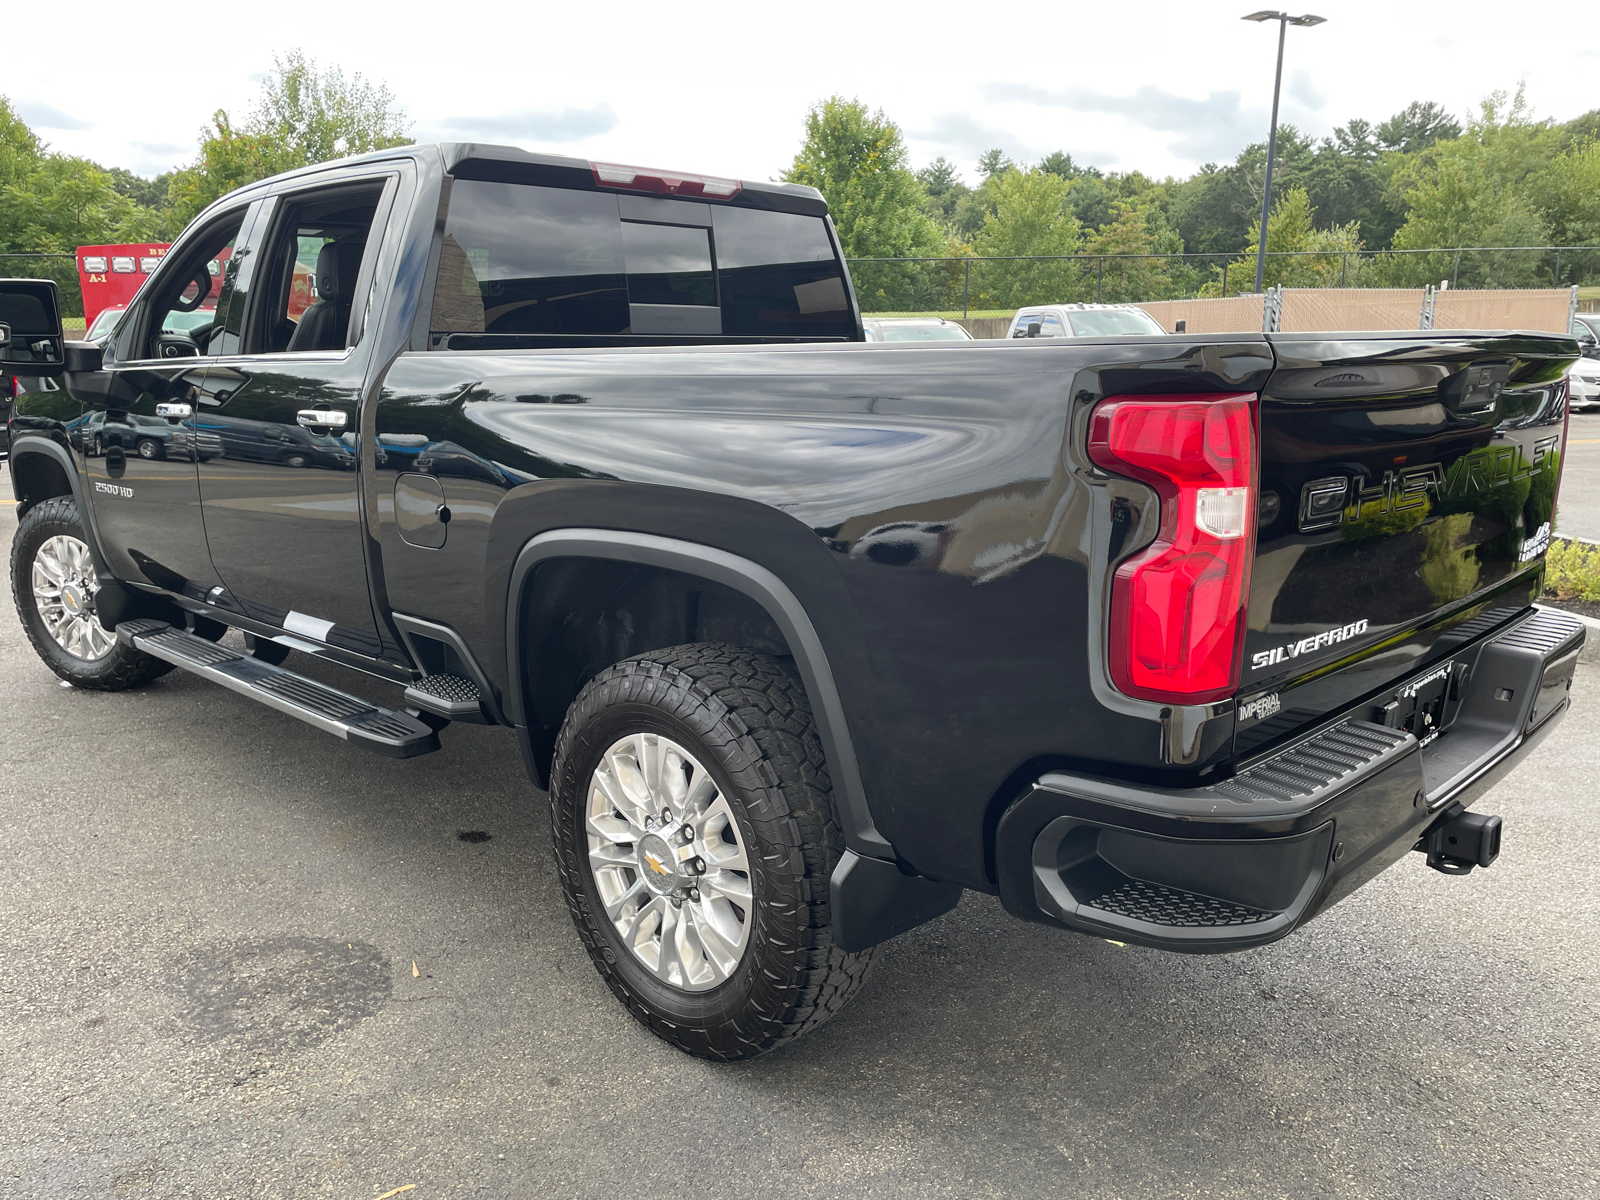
(282, 497)
(1407, 492)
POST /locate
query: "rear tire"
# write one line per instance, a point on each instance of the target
(742, 735)
(53, 584)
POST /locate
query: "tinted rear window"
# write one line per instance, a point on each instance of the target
(521, 259)
(779, 275)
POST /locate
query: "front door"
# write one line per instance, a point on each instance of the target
(282, 498)
(137, 435)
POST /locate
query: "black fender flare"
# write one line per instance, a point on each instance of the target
(24, 445)
(741, 574)
(872, 897)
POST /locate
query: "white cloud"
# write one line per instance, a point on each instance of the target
(44, 116)
(1166, 84)
(1303, 87)
(1215, 127)
(527, 125)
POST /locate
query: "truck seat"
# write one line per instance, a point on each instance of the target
(324, 324)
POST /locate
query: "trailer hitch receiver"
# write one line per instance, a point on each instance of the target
(1461, 840)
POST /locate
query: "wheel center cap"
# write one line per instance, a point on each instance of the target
(657, 865)
(72, 597)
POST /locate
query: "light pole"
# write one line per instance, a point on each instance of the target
(1284, 20)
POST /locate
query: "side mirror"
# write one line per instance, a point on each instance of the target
(30, 314)
(1180, 326)
(1033, 328)
(83, 356)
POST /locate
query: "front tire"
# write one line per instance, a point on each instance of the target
(695, 835)
(54, 585)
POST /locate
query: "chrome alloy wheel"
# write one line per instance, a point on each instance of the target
(64, 587)
(669, 862)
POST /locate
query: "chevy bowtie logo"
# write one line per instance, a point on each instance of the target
(656, 865)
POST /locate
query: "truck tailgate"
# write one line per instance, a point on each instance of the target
(1407, 492)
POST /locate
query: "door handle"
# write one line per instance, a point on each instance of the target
(174, 412)
(322, 418)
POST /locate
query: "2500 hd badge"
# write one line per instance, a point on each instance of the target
(1310, 645)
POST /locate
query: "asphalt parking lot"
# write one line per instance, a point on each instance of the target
(1578, 508)
(239, 958)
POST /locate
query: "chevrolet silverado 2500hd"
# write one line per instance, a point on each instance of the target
(1170, 640)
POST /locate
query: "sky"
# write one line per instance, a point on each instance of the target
(722, 88)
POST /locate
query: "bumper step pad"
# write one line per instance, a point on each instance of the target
(451, 696)
(397, 735)
(1157, 904)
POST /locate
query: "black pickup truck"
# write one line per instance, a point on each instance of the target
(1167, 640)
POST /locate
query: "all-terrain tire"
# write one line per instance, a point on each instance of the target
(120, 667)
(746, 718)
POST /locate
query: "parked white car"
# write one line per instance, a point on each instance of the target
(1583, 390)
(913, 329)
(1083, 320)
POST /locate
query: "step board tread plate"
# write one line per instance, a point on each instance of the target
(450, 696)
(397, 735)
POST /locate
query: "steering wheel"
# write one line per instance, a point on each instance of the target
(202, 285)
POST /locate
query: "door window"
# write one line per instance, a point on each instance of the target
(192, 301)
(1050, 326)
(310, 271)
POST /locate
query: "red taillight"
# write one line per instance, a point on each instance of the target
(666, 183)
(1178, 606)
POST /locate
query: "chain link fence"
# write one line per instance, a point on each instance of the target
(989, 286)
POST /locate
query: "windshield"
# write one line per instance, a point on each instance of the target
(922, 333)
(1110, 322)
(103, 322)
(183, 322)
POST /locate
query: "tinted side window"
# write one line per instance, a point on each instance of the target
(520, 259)
(779, 275)
(1050, 326)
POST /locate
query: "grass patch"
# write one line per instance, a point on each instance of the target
(1572, 571)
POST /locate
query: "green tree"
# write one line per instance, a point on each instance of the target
(994, 162)
(150, 193)
(1567, 194)
(1475, 190)
(20, 149)
(1214, 209)
(1030, 218)
(305, 115)
(857, 159)
(58, 203)
(1059, 162)
(1138, 230)
(942, 188)
(1416, 127)
(317, 115)
(1313, 257)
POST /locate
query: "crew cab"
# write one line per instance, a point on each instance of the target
(1171, 640)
